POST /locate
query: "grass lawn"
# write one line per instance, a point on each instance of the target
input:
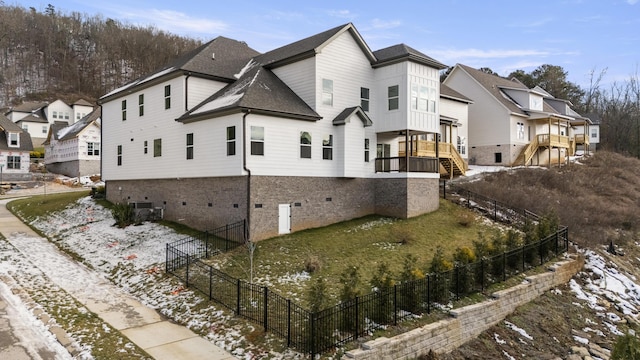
(284, 263)
(36, 206)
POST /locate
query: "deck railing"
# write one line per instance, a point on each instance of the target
(399, 164)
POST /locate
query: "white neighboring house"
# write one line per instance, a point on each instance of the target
(15, 146)
(510, 124)
(302, 136)
(74, 150)
(36, 117)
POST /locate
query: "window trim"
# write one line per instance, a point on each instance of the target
(93, 149)
(327, 147)
(146, 147)
(367, 147)
(124, 110)
(14, 139)
(167, 97)
(393, 101)
(257, 142)
(119, 155)
(305, 148)
(327, 92)
(231, 140)
(157, 147)
(14, 162)
(365, 98)
(189, 146)
(141, 105)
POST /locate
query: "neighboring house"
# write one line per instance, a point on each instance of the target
(510, 124)
(15, 146)
(36, 117)
(74, 150)
(303, 136)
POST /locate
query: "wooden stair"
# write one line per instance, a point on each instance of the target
(527, 153)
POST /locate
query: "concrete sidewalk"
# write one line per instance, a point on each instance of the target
(142, 325)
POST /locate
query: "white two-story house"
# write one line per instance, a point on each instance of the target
(15, 146)
(305, 135)
(510, 124)
(74, 150)
(37, 117)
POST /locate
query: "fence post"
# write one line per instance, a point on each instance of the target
(357, 319)
(495, 210)
(166, 261)
(540, 251)
(288, 322)
(210, 282)
(313, 335)
(557, 238)
(266, 313)
(238, 297)
(395, 304)
(428, 293)
(482, 274)
(206, 244)
(504, 266)
(444, 189)
(187, 275)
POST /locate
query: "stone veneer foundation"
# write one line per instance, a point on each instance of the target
(206, 203)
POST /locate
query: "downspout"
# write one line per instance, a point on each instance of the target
(101, 127)
(186, 92)
(244, 166)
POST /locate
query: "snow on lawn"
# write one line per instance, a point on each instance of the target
(133, 258)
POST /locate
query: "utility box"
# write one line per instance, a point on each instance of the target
(143, 210)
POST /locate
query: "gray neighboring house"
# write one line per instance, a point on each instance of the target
(74, 150)
(15, 146)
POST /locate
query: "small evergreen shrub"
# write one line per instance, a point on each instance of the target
(123, 214)
(312, 264)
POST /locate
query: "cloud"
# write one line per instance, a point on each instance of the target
(456, 54)
(174, 21)
(632, 2)
(342, 14)
(385, 25)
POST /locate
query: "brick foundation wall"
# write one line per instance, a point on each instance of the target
(467, 322)
(406, 197)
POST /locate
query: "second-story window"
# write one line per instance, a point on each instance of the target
(393, 94)
(327, 92)
(364, 99)
(44, 129)
(189, 146)
(167, 97)
(14, 140)
(141, 104)
(327, 147)
(124, 110)
(146, 146)
(305, 145)
(231, 140)
(119, 153)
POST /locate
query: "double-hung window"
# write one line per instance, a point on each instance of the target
(327, 92)
(124, 110)
(366, 150)
(305, 145)
(190, 146)
(119, 153)
(157, 147)
(167, 97)
(231, 141)
(141, 105)
(393, 94)
(364, 98)
(257, 140)
(14, 139)
(520, 131)
(327, 147)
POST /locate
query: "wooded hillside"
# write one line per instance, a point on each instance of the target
(49, 55)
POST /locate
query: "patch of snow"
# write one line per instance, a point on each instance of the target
(498, 339)
(581, 340)
(518, 330)
(509, 357)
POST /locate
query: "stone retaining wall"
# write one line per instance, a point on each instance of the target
(467, 322)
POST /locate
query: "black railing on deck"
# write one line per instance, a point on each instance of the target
(416, 164)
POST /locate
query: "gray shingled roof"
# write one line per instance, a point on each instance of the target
(341, 119)
(82, 102)
(8, 125)
(220, 58)
(402, 52)
(492, 84)
(29, 106)
(257, 90)
(306, 47)
(448, 92)
(33, 118)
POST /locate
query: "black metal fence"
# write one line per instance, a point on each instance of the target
(314, 333)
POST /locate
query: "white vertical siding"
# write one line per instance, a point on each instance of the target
(391, 120)
(300, 77)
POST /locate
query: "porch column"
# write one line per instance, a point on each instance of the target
(409, 148)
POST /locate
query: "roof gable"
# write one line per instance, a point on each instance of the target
(310, 46)
(346, 114)
(401, 52)
(7, 126)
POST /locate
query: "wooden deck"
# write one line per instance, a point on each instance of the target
(452, 164)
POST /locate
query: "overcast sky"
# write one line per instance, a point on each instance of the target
(580, 35)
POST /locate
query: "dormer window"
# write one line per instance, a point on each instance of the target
(14, 139)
